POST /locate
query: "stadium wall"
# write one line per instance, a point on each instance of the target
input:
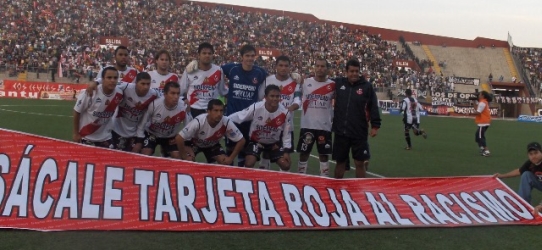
(387, 34)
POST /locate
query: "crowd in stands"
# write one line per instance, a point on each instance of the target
(531, 59)
(39, 33)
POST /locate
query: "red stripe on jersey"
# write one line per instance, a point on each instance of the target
(217, 135)
(212, 80)
(288, 89)
(324, 90)
(276, 122)
(173, 78)
(93, 127)
(130, 76)
(175, 119)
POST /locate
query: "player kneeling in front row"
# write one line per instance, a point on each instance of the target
(93, 115)
(269, 120)
(205, 133)
(162, 121)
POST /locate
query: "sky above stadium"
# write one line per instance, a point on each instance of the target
(466, 19)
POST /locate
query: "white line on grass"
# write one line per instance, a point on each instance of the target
(353, 168)
(32, 113)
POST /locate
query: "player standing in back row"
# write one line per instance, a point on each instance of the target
(161, 75)
(289, 94)
(316, 117)
(126, 74)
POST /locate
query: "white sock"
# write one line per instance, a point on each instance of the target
(302, 167)
(265, 163)
(324, 169)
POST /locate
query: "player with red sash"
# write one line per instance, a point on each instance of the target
(205, 133)
(93, 115)
(162, 121)
(126, 74)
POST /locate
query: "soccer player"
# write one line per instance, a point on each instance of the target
(356, 105)
(162, 122)
(289, 94)
(161, 75)
(137, 98)
(206, 131)
(411, 118)
(92, 116)
(204, 84)
(316, 117)
(269, 129)
(126, 74)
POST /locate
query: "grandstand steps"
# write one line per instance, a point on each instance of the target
(22, 76)
(418, 51)
(510, 61)
(431, 57)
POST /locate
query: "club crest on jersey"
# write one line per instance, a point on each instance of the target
(255, 81)
(167, 119)
(268, 120)
(106, 102)
(236, 78)
(162, 84)
(206, 80)
(359, 91)
(138, 105)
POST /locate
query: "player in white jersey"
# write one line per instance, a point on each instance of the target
(126, 74)
(269, 129)
(161, 75)
(411, 117)
(205, 133)
(162, 121)
(204, 84)
(137, 98)
(289, 95)
(93, 115)
(316, 117)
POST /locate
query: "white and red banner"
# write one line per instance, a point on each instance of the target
(36, 90)
(47, 184)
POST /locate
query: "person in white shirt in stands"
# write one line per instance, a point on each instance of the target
(162, 122)
(161, 75)
(289, 94)
(205, 133)
(269, 129)
(93, 115)
(126, 74)
(137, 98)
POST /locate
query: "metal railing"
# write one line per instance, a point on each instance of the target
(29, 73)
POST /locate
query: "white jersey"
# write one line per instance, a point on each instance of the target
(158, 81)
(204, 136)
(266, 128)
(316, 108)
(161, 121)
(131, 110)
(289, 92)
(126, 76)
(411, 109)
(96, 119)
(202, 86)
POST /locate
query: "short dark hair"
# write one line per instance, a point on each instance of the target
(161, 52)
(353, 63)
(107, 69)
(142, 76)
(487, 96)
(246, 48)
(270, 88)
(214, 102)
(170, 85)
(408, 92)
(206, 45)
(282, 58)
(322, 59)
(119, 48)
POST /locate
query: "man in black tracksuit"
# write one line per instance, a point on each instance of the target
(356, 105)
